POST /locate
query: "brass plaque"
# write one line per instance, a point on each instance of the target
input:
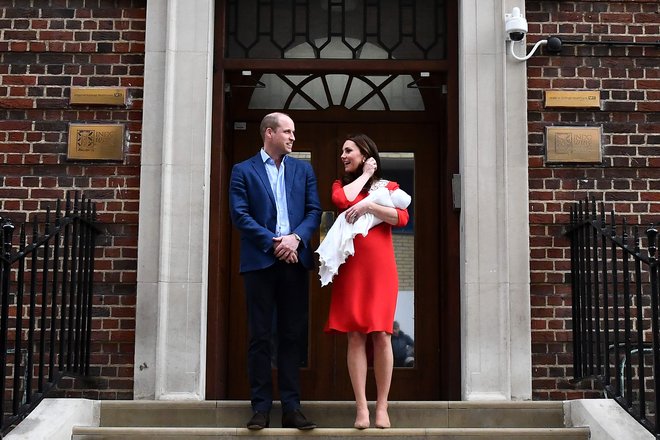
(98, 95)
(96, 142)
(572, 98)
(573, 145)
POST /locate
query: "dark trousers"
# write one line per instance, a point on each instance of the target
(277, 302)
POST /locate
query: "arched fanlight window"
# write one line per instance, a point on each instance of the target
(322, 91)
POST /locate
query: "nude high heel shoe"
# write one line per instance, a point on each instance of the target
(362, 418)
(382, 418)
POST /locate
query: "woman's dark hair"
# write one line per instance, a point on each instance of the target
(368, 149)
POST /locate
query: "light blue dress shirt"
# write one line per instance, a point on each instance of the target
(276, 179)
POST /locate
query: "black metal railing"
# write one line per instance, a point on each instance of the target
(616, 309)
(46, 282)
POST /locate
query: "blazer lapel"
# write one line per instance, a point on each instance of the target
(260, 169)
(290, 169)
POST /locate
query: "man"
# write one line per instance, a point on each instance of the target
(275, 205)
(402, 347)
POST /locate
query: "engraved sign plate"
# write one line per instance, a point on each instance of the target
(573, 145)
(572, 98)
(98, 95)
(96, 141)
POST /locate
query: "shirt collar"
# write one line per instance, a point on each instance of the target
(265, 157)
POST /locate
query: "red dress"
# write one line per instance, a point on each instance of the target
(365, 289)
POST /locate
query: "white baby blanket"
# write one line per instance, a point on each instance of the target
(338, 242)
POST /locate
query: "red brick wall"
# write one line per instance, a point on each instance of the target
(628, 178)
(46, 47)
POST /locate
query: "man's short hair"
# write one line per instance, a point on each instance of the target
(272, 121)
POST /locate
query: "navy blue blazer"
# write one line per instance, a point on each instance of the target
(253, 212)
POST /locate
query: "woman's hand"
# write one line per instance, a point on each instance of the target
(357, 210)
(384, 213)
(369, 167)
(353, 189)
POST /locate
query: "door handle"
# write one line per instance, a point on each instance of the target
(327, 219)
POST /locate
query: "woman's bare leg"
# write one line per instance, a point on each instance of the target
(357, 370)
(383, 365)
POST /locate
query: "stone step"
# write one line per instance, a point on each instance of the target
(426, 415)
(135, 433)
(205, 420)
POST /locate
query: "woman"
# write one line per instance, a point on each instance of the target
(365, 289)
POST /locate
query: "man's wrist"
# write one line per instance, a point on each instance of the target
(297, 237)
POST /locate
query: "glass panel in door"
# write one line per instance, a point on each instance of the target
(400, 167)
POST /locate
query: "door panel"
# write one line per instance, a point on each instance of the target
(325, 375)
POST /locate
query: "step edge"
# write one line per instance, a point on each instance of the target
(77, 430)
(558, 404)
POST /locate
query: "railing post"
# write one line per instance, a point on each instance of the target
(70, 358)
(7, 231)
(80, 306)
(64, 340)
(575, 301)
(90, 284)
(626, 316)
(640, 327)
(590, 294)
(44, 302)
(53, 296)
(595, 229)
(84, 274)
(77, 273)
(18, 346)
(615, 303)
(652, 234)
(32, 315)
(606, 304)
(584, 349)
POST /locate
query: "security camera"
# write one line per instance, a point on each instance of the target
(515, 25)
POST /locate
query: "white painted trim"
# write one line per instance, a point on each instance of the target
(495, 305)
(170, 354)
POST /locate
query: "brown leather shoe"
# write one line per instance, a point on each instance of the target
(296, 419)
(259, 420)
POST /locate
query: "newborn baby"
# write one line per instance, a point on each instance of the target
(338, 243)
